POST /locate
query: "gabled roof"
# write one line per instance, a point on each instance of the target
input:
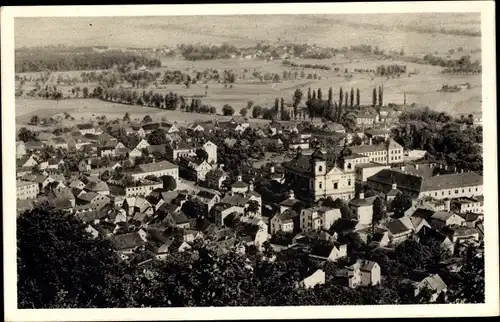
(126, 241)
(396, 227)
(86, 126)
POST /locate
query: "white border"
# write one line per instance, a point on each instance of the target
(491, 307)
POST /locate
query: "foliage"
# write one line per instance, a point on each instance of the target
(26, 135)
(157, 137)
(169, 183)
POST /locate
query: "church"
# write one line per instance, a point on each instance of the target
(313, 177)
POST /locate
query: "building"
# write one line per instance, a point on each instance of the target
(86, 128)
(442, 219)
(467, 205)
(193, 169)
(353, 160)
(384, 153)
(331, 251)
(367, 119)
(453, 185)
(283, 222)
(175, 150)
(313, 178)
(26, 190)
(142, 188)
(434, 283)
(215, 177)
(289, 203)
(318, 218)
(239, 186)
(316, 278)
(157, 169)
(398, 231)
(362, 209)
(20, 149)
(365, 170)
(363, 273)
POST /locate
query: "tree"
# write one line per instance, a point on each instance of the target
(320, 94)
(243, 112)
(34, 120)
(26, 135)
(147, 119)
(201, 154)
(249, 104)
(330, 95)
(314, 95)
(352, 98)
(256, 111)
(169, 183)
(47, 275)
(341, 98)
(380, 96)
(346, 99)
(374, 97)
(297, 97)
(276, 106)
(227, 110)
(85, 92)
(126, 117)
(379, 212)
(157, 137)
(357, 97)
(282, 108)
(309, 95)
(401, 203)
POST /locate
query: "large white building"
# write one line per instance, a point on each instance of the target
(157, 169)
(384, 153)
(313, 178)
(26, 190)
(317, 218)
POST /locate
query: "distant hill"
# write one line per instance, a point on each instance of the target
(415, 33)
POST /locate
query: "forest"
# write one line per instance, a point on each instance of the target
(36, 61)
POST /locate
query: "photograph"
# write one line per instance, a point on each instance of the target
(182, 157)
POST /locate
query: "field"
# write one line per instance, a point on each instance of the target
(420, 88)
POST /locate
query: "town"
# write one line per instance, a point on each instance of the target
(262, 175)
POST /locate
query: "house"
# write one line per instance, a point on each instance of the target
(362, 208)
(143, 144)
(215, 177)
(367, 119)
(434, 283)
(290, 202)
(172, 245)
(20, 149)
(54, 163)
(441, 219)
(137, 204)
(93, 199)
(362, 171)
(142, 188)
(239, 186)
(97, 186)
(157, 169)
(330, 251)
(363, 273)
(334, 127)
(439, 187)
(468, 205)
(86, 128)
(209, 199)
(26, 190)
(316, 278)
(318, 218)
(193, 169)
(461, 234)
(283, 221)
(388, 152)
(41, 180)
(58, 143)
(127, 243)
(27, 162)
(254, 235)
(134, 154)
(398, 231)
(313, 178)
(33, 145)
(381, 237)
(177, 219)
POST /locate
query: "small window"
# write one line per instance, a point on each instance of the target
(320, 185)
(336, 185)
(456, 191)
(320, 168)
(349, 182)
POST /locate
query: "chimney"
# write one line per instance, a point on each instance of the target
(370, 141)
(361, 195)
(272, 169)
(394, 186)
(291, 194)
